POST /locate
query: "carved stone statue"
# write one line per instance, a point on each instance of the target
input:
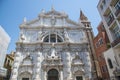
(66, 35)
(22, 37)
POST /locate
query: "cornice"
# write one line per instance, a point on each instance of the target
(51, 27)
(46, 47)
(45, 43)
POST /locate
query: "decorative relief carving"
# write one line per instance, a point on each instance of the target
(77, 64)
(66, 36)
(52, 60)
(22, 37)
(25, 69)
(53, 20)
(47, 56)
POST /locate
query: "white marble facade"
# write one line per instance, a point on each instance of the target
(52, 47)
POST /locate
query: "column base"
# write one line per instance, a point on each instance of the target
(13, 79)
(70, 78)
(37, 79)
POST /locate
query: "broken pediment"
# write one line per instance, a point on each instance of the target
(27, 61)
(76, 60)
(52, 18)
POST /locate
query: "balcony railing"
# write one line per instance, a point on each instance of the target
(115, 42)
(110, 21)
(105, 6)
(3, 72)
(117, 12)
(117, 72)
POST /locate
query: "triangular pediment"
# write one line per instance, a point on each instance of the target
(55, 13)
(27, 61)
(77, 60)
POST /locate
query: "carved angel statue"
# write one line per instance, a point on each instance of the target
(53, 50)
(22, 37)
(40, 35)
(66, 35)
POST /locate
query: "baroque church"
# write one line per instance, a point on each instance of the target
(54, 47)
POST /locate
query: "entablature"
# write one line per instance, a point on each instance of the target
(43, 47)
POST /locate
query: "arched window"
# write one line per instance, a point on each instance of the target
(52, 38)
(110, 63)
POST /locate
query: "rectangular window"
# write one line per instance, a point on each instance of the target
(102, 28)
(117, 8)
(116, 32)
(110, 63)
(100, 41)
(103, 4)
(8, 62)
(109, 18)
(101, 7)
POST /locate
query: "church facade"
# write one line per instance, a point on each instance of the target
(53, 47)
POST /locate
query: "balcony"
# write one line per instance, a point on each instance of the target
(3, 72)
(104, 5)
(113, 2)
(115, 42)
(108, 15)
(117, 12)
(117, 72)
(117, 8)
(110, 20)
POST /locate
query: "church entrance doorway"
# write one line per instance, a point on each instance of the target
(53, 74)
(25, 78)
(79, 78)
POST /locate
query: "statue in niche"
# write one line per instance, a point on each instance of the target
(66, 35)
(53, 50)
(39, 36)
(53, 20)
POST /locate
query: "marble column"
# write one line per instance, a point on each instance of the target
(61, 75)
(68, 66)
(45, 75)
(37, 67)
(16, 64)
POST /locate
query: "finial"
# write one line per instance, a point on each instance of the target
(24, 20)
(52, 8)
(43, 10)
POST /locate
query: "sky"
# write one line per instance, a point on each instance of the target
(12, 13)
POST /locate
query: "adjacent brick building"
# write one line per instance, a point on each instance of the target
(110, 13)
(101, 44)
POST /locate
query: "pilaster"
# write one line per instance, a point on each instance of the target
(16, 64)
(36, 75)
(68, 66)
